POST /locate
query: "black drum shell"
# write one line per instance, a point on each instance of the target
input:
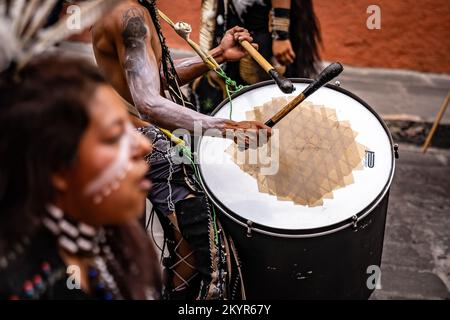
(331, 266)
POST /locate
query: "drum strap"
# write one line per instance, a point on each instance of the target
(197, 262)
(182, 281)
(238, 264)
(195, 222)
(203, 260)
(233, 264)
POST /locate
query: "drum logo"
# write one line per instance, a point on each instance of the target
(369, 160)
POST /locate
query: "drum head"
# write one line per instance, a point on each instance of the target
(237, 193)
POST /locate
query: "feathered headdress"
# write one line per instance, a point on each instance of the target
(23, 34)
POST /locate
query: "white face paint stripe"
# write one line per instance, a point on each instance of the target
(109, 178)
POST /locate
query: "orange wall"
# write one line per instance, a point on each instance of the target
(415, 34)
(180, 10)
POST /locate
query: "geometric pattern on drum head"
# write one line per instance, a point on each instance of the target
(317, 154)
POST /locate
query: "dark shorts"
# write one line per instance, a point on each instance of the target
(168, 180)
(165, 193)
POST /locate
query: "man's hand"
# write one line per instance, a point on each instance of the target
(248, 134)
(283, 52)
(230, 46)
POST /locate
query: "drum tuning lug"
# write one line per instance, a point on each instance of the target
(397, 156)
(337, 83)
(355, 221)
(249, 229)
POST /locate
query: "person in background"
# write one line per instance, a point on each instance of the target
(286, 31)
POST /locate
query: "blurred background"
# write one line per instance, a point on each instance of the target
(414, 35)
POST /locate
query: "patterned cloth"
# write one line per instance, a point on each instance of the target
(167, 177)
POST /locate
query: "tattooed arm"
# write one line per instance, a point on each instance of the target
(142, 73)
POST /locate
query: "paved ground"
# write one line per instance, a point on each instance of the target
(408, 101)
(416, 257)
(412, 94)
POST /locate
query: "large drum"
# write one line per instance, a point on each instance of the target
(325, 246)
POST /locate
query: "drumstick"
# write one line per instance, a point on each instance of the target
(436, 124)
(284, 84)
(328, 74)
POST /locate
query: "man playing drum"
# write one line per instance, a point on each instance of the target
(130, 50)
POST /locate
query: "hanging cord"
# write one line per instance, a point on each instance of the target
(231, 87)
(184, 30)
(169, 70)
(238, 263)
(186, 152)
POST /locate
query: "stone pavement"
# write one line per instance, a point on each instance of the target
(398, 93)
(416, 256)
(408, 101)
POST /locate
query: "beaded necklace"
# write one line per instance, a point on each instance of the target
(82, 240)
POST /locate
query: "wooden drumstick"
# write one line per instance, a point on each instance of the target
(328, 74)
(436, 123)
(284, 84)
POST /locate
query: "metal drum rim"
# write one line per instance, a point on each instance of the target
(302, 233)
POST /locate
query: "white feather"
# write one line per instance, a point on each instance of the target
(29, 10)
(39, 19)
(16, 13)
(10, 51)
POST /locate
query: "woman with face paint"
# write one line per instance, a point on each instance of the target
(72, 188)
